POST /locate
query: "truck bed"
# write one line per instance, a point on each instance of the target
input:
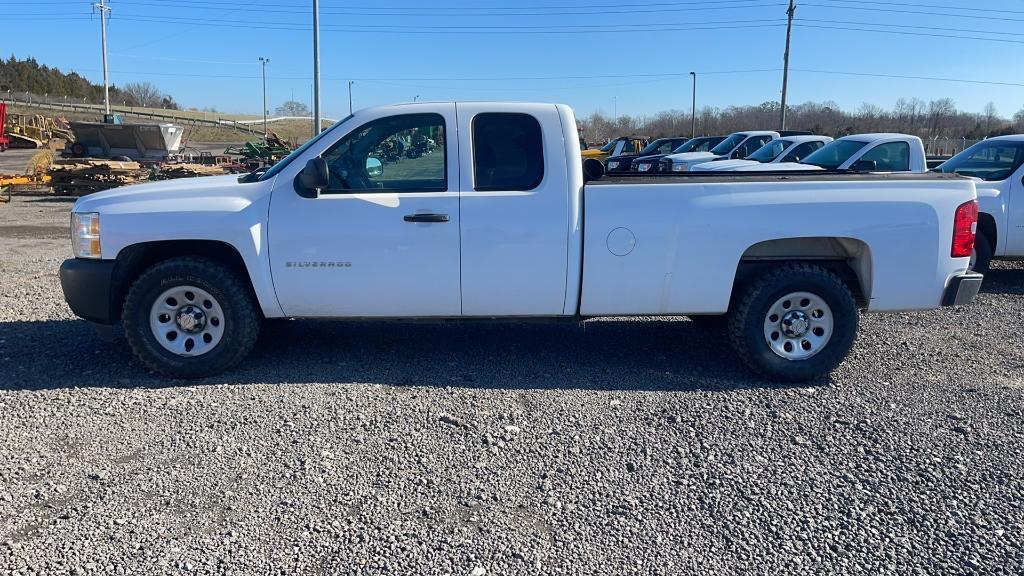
(781, 176)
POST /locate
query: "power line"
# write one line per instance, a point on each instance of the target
(940, 6)
(916, 12)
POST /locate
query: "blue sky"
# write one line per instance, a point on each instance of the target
(592, 54)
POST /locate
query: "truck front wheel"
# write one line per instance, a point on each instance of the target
(190, 317)
(795, 323)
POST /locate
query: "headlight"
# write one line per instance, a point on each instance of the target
(85, 234)
(643, 167)
(613, 165)
(679, 167)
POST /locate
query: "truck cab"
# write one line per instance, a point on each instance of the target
(879, 152)
(997, 167)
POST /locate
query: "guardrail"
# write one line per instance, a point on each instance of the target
(240, 126)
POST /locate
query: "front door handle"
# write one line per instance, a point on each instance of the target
(426, 218)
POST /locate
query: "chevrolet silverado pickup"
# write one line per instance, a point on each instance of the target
(505, 220)
(997, 166)
(880, 152)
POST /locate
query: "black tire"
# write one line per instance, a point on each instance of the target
(241, 322)
(748, 316)
(982, 254)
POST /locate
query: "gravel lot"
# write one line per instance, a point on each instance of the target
(616, 447)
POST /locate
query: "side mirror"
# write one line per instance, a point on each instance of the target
(593, 169)
(374, 167)
(864, 166)
(315, 176)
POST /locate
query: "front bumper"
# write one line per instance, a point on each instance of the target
(962, 289)
(87, 288)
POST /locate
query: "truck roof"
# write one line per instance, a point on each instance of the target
(876, 136)
(769, 176)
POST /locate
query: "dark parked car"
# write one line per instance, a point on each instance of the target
(649, 163)
(622, 162)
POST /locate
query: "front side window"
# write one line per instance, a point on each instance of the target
(769, 151)
(993, 160)
(508, 152)
(890, 157)
(660, 146)
(802, 151)
(835, 153)
(726, 146)
(752, 144)
(405, 153)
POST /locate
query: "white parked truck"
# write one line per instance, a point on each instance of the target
(737, 145)
(997, 166)
(859, 153)
(788, 149)
(498, 222)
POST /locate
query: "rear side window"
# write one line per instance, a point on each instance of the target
(508, 152)
(891, 157)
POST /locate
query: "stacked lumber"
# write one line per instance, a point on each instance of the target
(172, 171)
(78, 177)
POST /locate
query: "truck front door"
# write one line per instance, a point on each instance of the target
(383, 238)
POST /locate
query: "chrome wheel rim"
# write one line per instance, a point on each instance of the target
(798, 325)
(187, 321)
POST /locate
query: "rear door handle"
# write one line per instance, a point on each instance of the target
(426, 218)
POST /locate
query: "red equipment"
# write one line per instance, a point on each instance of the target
(4, 141)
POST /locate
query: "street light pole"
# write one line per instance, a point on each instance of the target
(785, 62)
(350, 83)
(693, 108)
(264, 62)
(316, 67)
(104, 10)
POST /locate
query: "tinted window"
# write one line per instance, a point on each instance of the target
(728, 144)
(751, 145)
(803, 151)
(769, 151)
(404, 153)
(833, 154)
(508, 152)
(994, 160)
(891, 157)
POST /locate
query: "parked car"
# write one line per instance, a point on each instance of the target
(997, 167)
(789, 149)
(651, 164)
(617, 147)
(736, 145)
(504, 219)
(860, 153)
(622, 162)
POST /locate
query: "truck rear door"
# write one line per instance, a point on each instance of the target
(514, 207)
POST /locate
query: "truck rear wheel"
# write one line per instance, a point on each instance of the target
(795, 323)
(190, 317)
(982, 256)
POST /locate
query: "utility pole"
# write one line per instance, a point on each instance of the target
(316, 67)
(264, 62)
(104, 10)
(693, 108)
(350, 83)
(615, 99)
(785, 62)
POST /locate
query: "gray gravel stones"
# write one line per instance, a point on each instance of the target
(621, 447)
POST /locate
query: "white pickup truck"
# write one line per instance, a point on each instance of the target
(789, 149)
(498, 222)
(737, 145)
(997, 166)
(880, 152)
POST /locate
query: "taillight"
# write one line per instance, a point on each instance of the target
(965, 226)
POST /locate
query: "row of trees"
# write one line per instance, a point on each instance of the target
(934, 119)
(28, 76)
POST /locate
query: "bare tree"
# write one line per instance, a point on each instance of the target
(292, 108)
(991, 115)
(144, 94)
(1018, 120)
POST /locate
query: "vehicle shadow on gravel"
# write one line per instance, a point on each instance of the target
(596, 355)
(1004, 281)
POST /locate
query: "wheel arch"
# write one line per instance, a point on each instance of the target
(987, 226)
(135, 259)
(850, 258)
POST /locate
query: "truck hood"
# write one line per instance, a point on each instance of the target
(691, 157)
(779, 167)
(204, 194)
(724, 165)
(651, 158)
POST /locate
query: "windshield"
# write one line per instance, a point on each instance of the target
(834, 154)
(276, 168)
(728, 144)
(770, 151)
(609, 146)
(990, 160)
(652, 148)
